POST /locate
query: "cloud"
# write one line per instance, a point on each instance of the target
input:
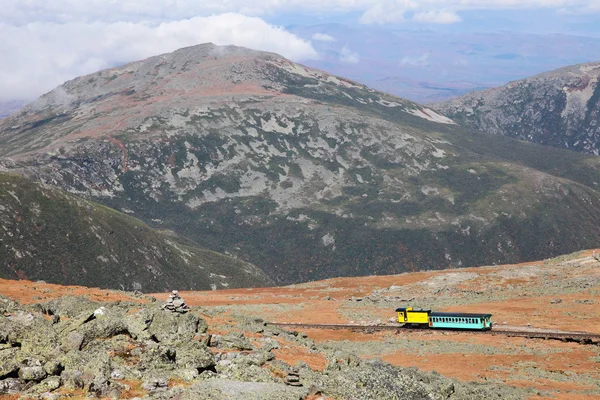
(387, 11)
(323, 37)
(348, 56)
(416, 61)
(437, 17)
(41, 56)
(20, 12)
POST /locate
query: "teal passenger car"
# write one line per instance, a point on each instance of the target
(449, 320)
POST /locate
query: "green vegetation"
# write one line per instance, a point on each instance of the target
(50, 235)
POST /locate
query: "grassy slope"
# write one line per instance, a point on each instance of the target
(54, 236)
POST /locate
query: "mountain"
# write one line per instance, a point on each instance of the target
(425, 92)
(303, 173)
(57, 237)
(560, 108)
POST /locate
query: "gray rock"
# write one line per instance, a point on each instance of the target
(194, 355)
(47, 385)
(53, 367)
(221, 389)
(10, 385)
(169, 327)
(32, 370)
(238, 342)
(156, 383)
(72, 379)
(72, 341)
(187, 374)
(8, 361)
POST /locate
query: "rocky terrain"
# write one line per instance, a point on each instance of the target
(48, 234)
(64, 342)
(559, 108)
(304, 174)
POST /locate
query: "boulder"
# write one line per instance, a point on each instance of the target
(170, 327)
(8, 362)
(34, 373)
(10, 385)
(194, 355)
(221, 389)
(47, 385)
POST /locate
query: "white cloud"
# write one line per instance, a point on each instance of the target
(437, 17)
(373, 11)
(40, 56)
(416, 61)
(323, 37)
(348, 56)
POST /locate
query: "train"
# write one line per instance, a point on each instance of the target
(444, 320)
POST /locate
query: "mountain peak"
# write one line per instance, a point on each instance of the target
(192, 80)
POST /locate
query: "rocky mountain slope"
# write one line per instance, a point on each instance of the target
(560, 108)
(305, 174)
(77, 342)
(55, 236)
(74, 347)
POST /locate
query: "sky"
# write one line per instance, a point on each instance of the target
(48, 42)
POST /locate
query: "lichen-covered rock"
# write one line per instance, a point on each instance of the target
(10, 385)
(53, 367)
(138, 324)
(155, 383)
(223, 389)
(169, 327)
(34, 334)
(72, 379)
(32, 370)
(47, 385)
(238, 342)
(157, 356)
(69, 306)
(8, 361)
(194, 355)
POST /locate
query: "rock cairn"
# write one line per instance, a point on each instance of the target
(175, 303)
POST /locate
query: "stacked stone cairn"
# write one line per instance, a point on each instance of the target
(175, 303)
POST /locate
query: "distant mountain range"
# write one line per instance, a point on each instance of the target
(9, 107)
(560, 108)
(426, 66)
(305, 174)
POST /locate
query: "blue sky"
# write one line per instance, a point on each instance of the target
(50, 42)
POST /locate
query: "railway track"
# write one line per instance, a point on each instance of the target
(578, 337)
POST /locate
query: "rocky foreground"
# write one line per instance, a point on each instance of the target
(76, 347)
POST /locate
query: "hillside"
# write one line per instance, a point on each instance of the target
(560, 108)
(47, 234)
(224, 349)
(305, 174)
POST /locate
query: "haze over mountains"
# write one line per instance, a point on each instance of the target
(426, 65)
(302, 173)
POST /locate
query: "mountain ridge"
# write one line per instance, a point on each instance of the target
(303, 173)
(558, 108)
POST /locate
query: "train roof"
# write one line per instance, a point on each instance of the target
(458, 314)
(403, 309)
